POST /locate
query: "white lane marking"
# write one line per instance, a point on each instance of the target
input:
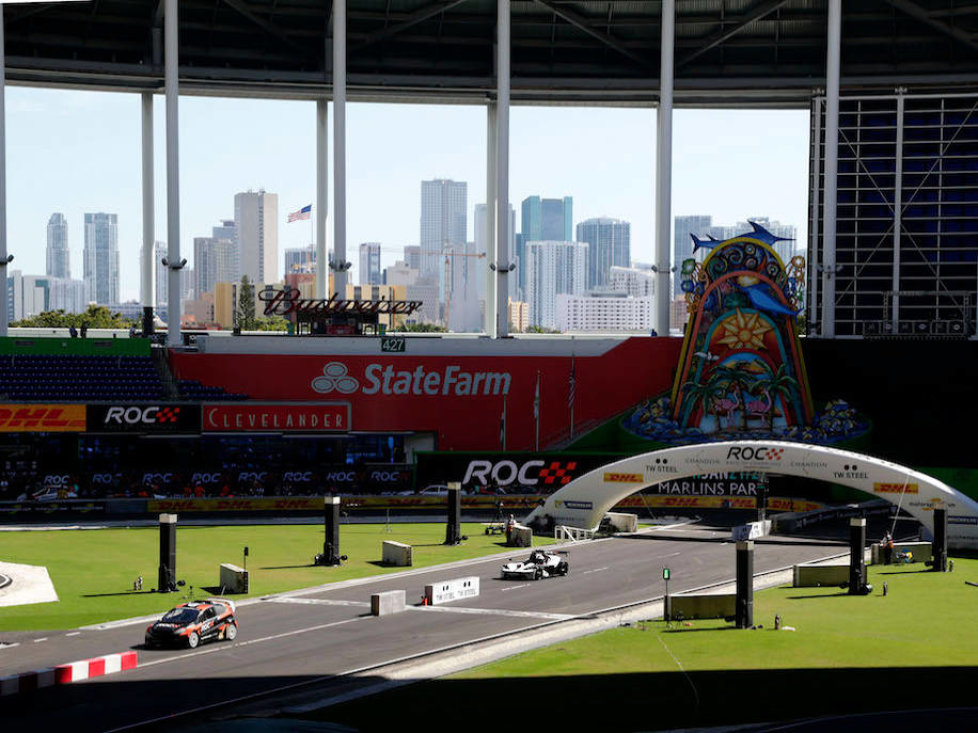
(74, 633)
(44, 638)
(236, 644)
(514, 587)
(493, 612)
(595, 570)
(317, 602)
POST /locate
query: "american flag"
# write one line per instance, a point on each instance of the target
(304, 213)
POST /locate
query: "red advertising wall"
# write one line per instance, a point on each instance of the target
(461, 398)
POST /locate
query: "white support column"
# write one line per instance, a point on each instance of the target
(174, 263)
(322, 198)
(663, 172)
(492, 325)
(503, 255)
(831, 199)
(4, 257)
(339, 146)
(148, 264)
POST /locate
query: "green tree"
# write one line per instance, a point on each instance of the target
(424, 328)
(271, 323)
(247, 321)
(95, 316)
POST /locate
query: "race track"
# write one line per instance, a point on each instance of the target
(289, 641)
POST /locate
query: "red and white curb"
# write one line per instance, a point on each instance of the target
(66, 673)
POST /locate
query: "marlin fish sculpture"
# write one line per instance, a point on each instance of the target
(760, 233)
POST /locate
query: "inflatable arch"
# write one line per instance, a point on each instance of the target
(584, 501)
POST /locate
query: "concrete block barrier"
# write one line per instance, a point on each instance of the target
(234, 579)
(397, 553)
(701, 605)
(807, 575)
(387, 602)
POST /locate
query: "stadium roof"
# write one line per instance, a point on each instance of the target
(728, 52)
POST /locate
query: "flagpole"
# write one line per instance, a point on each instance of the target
(536, 411)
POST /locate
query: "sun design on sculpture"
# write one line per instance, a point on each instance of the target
(744, 331)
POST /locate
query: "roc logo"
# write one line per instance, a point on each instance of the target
(750, 453)
(335, 379)
(624, 478)
(895, 488)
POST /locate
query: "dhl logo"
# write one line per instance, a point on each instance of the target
(895, 488)
(624, 478)
(42, 418)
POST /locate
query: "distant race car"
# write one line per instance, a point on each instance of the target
(191, 623)
(540, 564)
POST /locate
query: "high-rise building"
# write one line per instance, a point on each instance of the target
(58, 257)
(682, 244)
(443, 225)
(215, 261)
(787, 247)
(553, 268)
(301, 260)
(635, 281)
(400, 274)
(370, 273)
(608, 245)
(256, 220)
(412, 256)
(101, 258)
(603, 311)
(543, 220)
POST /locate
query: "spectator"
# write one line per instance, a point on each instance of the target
(84, 330)
(72, 331)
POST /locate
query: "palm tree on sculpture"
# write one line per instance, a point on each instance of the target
(774, 385)
(737, 381)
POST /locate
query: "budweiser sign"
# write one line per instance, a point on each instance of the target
(319, 417)
(36, 418)
(287, 302)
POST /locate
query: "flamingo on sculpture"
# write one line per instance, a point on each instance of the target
(728, 406)
(760, 408)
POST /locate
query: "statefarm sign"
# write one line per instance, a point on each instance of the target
(459, 398)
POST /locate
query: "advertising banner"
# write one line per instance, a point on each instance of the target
(541, 472)
(277, 417)
(144, 418)
(41, 418)
(468, 399)
(81, 506)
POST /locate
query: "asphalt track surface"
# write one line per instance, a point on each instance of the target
(288, 641)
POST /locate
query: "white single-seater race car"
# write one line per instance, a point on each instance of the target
(540, 564)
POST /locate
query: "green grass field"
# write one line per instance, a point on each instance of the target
(915, 647)
(93, 570)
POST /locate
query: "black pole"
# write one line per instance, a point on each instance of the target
(331, 522)
(453, 527)
(745, 585)
(167, 580)
(148, 320)
(762, 494)
(857, 556)
(939, 546)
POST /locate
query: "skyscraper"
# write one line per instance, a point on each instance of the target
(58, 259)
(256, 219)
(215, 261)
(301, 260)
(370, 273)
(101, 258)
(682, 244)
(443, 225)
(553, 268)
(543, 220)
(608, 245)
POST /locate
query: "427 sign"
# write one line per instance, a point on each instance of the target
(393, 344)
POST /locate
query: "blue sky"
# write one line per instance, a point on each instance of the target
(77, 152)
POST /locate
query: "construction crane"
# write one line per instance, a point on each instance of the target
(449, 253)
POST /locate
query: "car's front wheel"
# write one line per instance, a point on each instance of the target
(537, 574)
(231, 632)
(193, 639)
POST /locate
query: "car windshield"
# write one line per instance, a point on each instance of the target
(180, 615)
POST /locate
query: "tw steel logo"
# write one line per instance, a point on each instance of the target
(153, 415)
(528, 473)
(749, 453)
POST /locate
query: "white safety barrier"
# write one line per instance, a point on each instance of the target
(234, 579)
(451, 590)
(397, 553)
(574, 534)
(751, 531)
(623, 521)
(388, 602)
